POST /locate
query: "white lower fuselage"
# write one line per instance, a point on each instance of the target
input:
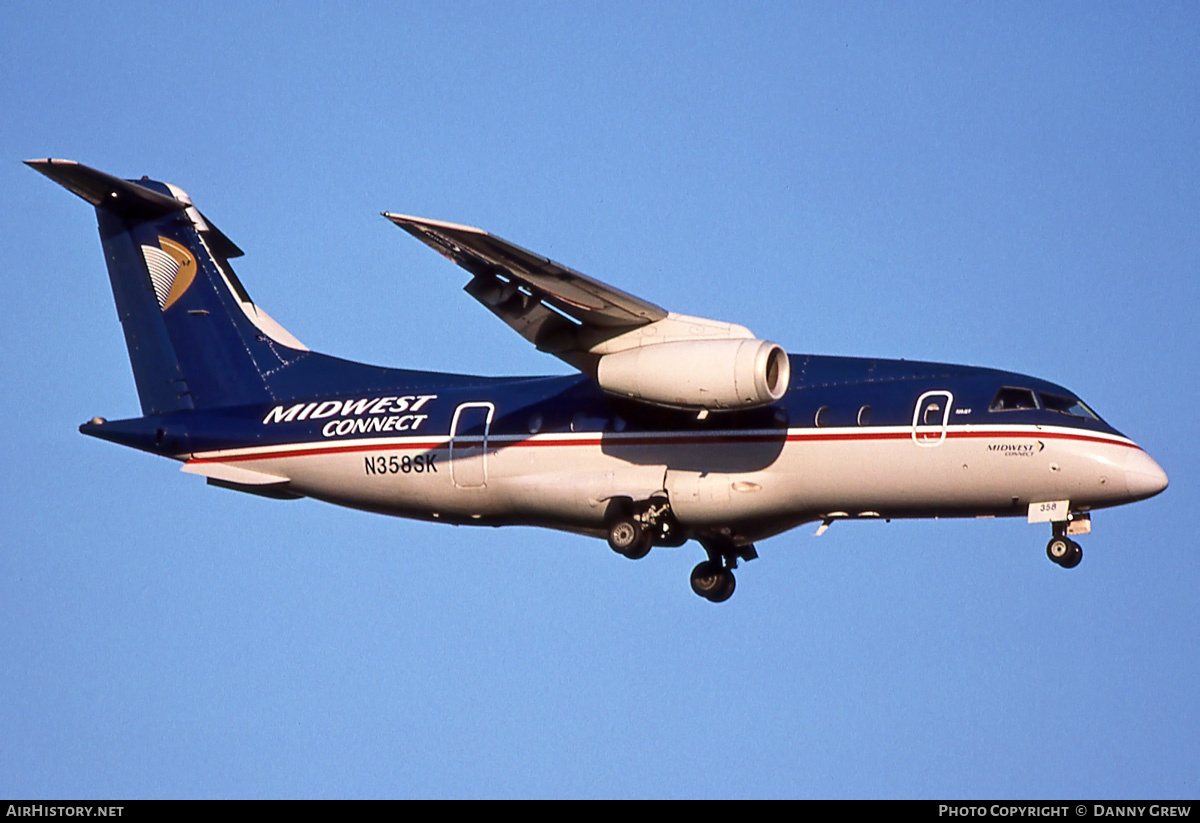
(754, 483)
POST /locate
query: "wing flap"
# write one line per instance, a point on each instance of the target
(527, 316)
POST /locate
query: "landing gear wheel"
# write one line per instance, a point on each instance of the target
(726, 592)
(641, 548)
(1066, 553)
(626, 536)
(712, 581)
(1059, 549)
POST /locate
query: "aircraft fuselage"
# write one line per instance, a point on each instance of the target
(861, 438)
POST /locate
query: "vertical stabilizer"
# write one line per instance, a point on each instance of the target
(195, 338)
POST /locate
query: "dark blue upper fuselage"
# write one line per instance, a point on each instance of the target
(824, 391)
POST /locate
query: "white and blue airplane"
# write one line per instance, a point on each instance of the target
(675, 428)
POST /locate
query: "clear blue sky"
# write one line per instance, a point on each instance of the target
(1011, 185)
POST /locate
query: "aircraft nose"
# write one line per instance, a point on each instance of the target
(1143, 477)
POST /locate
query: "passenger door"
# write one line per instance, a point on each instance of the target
(468, 444)
(931, 417)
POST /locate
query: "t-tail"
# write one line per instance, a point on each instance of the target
(195, 338)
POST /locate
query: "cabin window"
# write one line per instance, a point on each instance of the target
(822, 416)
(589, 422)
(864, 416)
(932, 415)
(535, 423)
(1066, 405)
(1012, 399)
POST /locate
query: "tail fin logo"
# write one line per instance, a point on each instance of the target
(172, 269)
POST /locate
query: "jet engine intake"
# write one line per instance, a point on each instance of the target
(699, 374)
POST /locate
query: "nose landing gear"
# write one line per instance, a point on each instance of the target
(713, 578)
(1063, 550)
(712, 581)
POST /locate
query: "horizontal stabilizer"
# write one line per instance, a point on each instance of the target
(128, 199)
(105, 191)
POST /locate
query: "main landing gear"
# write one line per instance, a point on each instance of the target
(629, 537)
(1063, 550)
(635, 528)
(713, 578)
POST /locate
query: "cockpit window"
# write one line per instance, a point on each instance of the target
(1066, 405)
(1011, 399)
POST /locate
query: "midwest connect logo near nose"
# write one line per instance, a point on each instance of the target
(172, 269)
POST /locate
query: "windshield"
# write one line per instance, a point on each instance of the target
(1010, 398)
(1066, 405)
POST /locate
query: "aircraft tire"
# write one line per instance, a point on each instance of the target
(1059, 550)
(1073, 556)
(713, 582)
(639, 549)
(727, 587)
(627, 537)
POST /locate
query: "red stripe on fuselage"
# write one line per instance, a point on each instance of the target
(671, 440)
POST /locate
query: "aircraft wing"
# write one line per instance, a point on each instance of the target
(586, 300)
(629, 346)
(546, 302)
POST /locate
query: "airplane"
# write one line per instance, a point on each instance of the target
(674, 428)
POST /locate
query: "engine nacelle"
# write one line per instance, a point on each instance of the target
(699, 374)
